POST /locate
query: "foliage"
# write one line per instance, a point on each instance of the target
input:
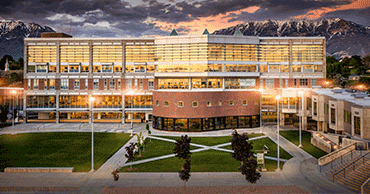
(365, 80)
(184, 174)
(366, 61)
(115, 174)
(130, 151)
(331, 60)
(182, 147)
(242, 152)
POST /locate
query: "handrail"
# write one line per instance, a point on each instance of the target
(333, 153)
(344, 169)
(364, 188)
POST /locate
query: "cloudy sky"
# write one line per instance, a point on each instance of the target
(136, 18)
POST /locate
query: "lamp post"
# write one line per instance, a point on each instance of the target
(278, 129)
(92, 99)
(13, 94)
(326, 84)
(300, 93)
(261, 90)
(131, 92)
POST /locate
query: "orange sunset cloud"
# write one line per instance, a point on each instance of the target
(212, 23)
(318, 13)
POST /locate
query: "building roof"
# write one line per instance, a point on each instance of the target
(55, 35)
(347, 96)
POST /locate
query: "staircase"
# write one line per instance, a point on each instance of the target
(351, 170)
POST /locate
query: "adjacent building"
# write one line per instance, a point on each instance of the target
(180, 83)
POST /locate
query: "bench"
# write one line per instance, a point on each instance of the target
(39, 169)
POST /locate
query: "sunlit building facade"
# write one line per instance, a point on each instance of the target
(184, 83)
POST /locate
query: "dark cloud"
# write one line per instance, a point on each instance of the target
(360, 16)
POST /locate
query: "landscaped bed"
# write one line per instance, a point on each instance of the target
(210, 141)
(205, 161)
(58, 149)
(293, 136)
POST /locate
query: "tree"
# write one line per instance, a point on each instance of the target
(331, 60)
(243, 152)
(4, 113)
(366, 61)
(149, 132)
(140, 142)
(130, 153)
(182, 151)
(115, 174)
(3, 61)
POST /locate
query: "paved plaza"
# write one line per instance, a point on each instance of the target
(299, 174)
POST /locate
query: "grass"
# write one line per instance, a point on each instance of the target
(210, 141)
(157, 148)
(258, 145)
(206, 161)
(58, 149)
(293, 136)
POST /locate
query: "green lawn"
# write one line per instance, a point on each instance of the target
(157, 148)
(210, 141)
(258, 145)
(59, 149)
(206, 161)
(293, 136)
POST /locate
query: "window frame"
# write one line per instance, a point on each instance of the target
(196, 102)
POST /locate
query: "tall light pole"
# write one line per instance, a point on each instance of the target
(326, 83)
(300, 93)
(131, 92)
(13, 94)
(92, 99)
(278, 129)
(261, 90)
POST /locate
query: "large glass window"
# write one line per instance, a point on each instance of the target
(140, 68)
(129, 69)
(173, 83)
(107, 68)
(303, 82)
(73, 101)
(31, 69)
(77, 84)
(240, 83)
(318, 68)
(347, 116)
(40, 101)
(332, 115)
(273, 68)
(128, 84)
(51, 84)
(307, 68)
(74, 68)
(307, 53)
(139, 53)
(263, 68)
(284, 68)
(296, 68)
(150, 68)
(241, 68)
(139, 101)
(274, 53)
(270, 83)
(107, 102)
(151, 84)
(172, 68)
(357, 125)
(206, 83)
(107, 54)
(41, 68)
(52, 68)
(96, 84)
(36, 83)
(42, 54)
(74, 54)
(64, 84)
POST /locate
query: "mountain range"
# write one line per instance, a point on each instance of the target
(343, 38)
(12, 34)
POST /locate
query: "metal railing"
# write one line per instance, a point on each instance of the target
(350, 165)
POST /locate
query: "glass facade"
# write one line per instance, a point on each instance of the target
(205, 124)
(240, 83)
(107, 54)
(73, 101)
(173, 83)
(139, 101)
(42, 54)
(273, 53)
(107, 102)
(307, 53)
(206, 83)
(139, 53)
(40, 101)
(74, 54)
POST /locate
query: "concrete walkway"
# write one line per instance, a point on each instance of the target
(302, 170)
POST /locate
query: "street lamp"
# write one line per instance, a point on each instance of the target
(278, 129)
(260, 90)
(131, 92)
(92, 99)
(326, 84)
(13, 94)
(300, 93)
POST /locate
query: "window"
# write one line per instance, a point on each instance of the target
(157, 103)
(96, 68)
(315, 108)
(296, 68)
(347, 116)
(29, 84)
(307, 68)
(219, 103)
(263, 68)
(135, 83)
(231, 102)
(245, 102)
(74, 69)
(166, 103)
(117, 68)
(128, 84)
(240, 83)
(318, 68)
(85, 68)
(64, 84)
(332, 115)
(63, 68)
(284, 68)
(256, 102)
(107, 68)
(270, 83)
(172, 83)
(195, 104)
(326, 109)
(295, 82)
(151, 84)
(357, 125)
(30, 69)
(209, 104)
(261, 83)
(105, 84)
(52, 84)
(119, 84)
(77, 84)
(45, 84)
(52, 68)
(273, 68)
(286, 83)
(139, 68)
(36, 84)
(141, 84)
(41, 68)
(181, 103)
(303, 82)
(206, 83)
(129, 69)
(96, 84)
(313, 82)
(111, 84)
(281, 83)
(86, 84)
(150, 69)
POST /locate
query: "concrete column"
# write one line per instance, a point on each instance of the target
(146, 116)
(99, 116)
(68, 115)
(123, 109)
(57, 119)
(58, 58)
